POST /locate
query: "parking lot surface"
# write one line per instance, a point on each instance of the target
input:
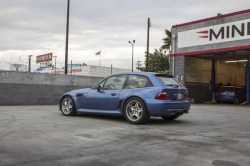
(210, 135)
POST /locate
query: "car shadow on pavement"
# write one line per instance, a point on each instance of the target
(160, 121)
(120, 119)
(103, 117)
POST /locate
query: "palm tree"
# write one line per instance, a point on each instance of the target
(167, 40)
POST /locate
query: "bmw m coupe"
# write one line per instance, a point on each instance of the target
(136, 96)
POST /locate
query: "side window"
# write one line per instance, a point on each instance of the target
(101, 84)
(115, 82)
(236, 90)
(138, 81)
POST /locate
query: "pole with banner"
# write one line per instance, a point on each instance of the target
(100, 58)
(99, 53)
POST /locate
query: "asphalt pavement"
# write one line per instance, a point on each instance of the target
(210, 135)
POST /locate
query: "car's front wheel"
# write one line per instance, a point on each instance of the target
(68, 106)
(173, 117)
(135, 111)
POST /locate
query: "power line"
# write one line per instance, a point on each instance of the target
(157, 27)
(10, 60)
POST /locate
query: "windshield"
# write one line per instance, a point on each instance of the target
(226, 89)
(169, 81)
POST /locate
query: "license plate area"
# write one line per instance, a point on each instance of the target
(179, 96)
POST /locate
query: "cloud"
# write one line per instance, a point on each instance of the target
(38, 26)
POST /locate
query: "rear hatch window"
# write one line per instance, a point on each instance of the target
(227, 89)
(169, 81)
(173, 88)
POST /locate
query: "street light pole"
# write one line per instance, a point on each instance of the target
(30, 63)
(67, 41)
(147, 45)
(132, 43)
(55, 62)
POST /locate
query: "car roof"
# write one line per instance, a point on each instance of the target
(143, 73)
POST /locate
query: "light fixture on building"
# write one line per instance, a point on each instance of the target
(236, 61)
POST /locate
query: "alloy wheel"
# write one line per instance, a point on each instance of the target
(134, 110)
(67, 105)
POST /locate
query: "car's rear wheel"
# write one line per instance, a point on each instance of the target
(135, 111)
(68, 106)
(172, 117)
(236, 100)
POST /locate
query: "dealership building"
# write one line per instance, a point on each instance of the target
(212, 52)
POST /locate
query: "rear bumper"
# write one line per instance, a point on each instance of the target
(224, 98)
(167, 107)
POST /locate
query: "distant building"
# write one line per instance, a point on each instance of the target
(18, 67)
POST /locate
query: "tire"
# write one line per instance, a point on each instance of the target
(236, 100)
(217, 101)
(138, 114)
(173, 117)
(68, 106)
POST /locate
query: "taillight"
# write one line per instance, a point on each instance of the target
(187, 98)
(162, 96)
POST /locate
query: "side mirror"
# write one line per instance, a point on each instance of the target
(98, 88)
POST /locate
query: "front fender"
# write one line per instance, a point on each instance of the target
(73, 95)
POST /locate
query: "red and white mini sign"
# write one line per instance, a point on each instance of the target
(233, 31)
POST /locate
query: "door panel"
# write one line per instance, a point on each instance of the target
(103, 100)
(107, 97)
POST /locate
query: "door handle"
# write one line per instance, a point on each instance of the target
(113, 94)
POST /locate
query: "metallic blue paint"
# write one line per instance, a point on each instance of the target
(229, 96)
(220, 97)
(103, 102)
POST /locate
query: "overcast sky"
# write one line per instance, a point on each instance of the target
(35, 27)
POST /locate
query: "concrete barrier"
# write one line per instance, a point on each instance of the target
(19, 88)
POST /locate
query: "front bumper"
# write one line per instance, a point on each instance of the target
(167, 107)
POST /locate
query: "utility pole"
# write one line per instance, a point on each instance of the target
(147, 45)
(29, 63)
(71, 67)
(111, 69)
(67, 41)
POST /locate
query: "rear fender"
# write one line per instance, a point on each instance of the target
(126, 99)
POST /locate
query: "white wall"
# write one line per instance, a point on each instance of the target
(199, 71)
(93, 71)
(233, 73)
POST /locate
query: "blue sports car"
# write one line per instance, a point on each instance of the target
(136, 96)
